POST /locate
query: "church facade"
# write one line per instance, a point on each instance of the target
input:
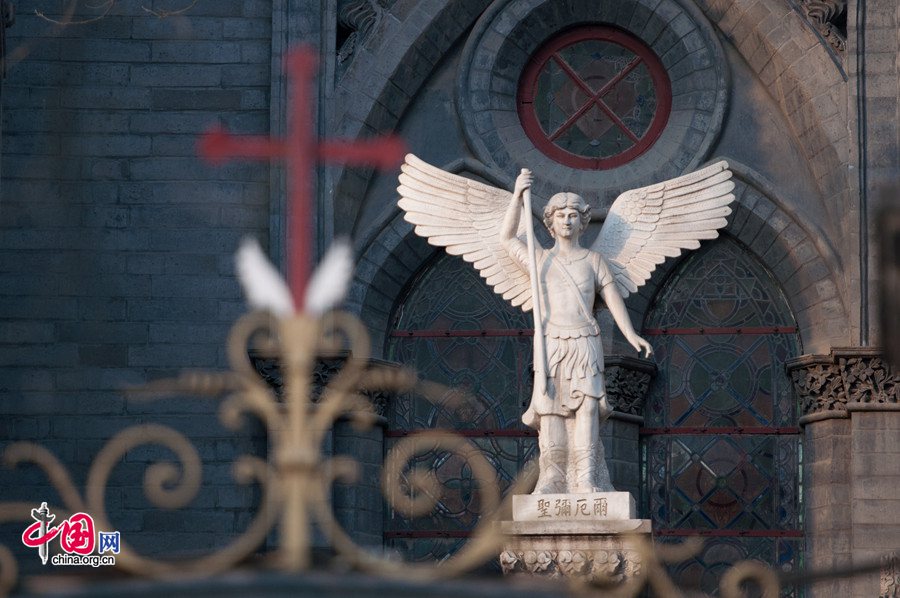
(767, 421)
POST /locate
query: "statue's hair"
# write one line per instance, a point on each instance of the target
(562, 200)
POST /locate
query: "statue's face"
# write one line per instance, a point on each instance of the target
(566, 215)
(566, 223)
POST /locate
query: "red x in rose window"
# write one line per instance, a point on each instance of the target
(594, 98)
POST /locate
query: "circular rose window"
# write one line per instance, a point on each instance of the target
(594, 98)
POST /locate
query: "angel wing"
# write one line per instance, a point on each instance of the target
(464, 217)
(645, 226)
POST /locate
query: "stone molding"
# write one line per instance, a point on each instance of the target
(848, 379)
(825, 15)
(592, 550)
(627, 382)
(595, 565)
(360, 18)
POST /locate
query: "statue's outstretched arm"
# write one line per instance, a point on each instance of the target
(616, 306)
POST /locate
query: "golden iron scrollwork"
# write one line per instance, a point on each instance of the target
(297, 478)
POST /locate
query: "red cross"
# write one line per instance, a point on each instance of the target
(301, 151)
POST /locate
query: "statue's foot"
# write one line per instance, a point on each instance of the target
(591, 488)
(552, 476)
(591, 473)
(550, 487)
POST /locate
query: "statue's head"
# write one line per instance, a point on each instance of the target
(564, 200)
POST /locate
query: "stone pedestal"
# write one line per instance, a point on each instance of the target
(589, 536)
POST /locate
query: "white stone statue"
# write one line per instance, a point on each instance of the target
(484, 225)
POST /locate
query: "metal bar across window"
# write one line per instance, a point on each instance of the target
(465, 433)
(453, 333)
(434, 533)
(733, 533)
(728, 330)
(647, 331)
(720, 430)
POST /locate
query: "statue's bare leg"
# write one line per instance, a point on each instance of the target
(553, 446)
(591, 472)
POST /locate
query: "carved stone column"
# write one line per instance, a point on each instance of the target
(627, 382)
(849, 379)
(890, 576)
(851, 461)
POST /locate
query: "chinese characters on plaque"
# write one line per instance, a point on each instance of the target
(569, 508)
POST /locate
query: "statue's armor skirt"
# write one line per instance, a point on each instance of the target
(574, 367)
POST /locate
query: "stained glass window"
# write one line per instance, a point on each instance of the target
(594, 97)
(454, 330)
(721, 446)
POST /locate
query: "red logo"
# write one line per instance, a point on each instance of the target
(33, 542)
(76, 534)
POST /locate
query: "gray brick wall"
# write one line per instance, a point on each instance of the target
(875, 503)
(827, 503)
(116, 244)
(876, 88)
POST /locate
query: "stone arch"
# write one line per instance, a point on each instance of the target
(387, 72)
(790, 60)
(788, 57)
(793, 63)
(798, 255)
(383, 270)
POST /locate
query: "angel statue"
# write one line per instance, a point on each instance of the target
(485, 225)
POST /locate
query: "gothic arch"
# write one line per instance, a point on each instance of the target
(382, 271)
(800, 75)
(387, 72)
(810, 91)
(787, 56)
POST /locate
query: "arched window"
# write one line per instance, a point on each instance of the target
(454, 330)
(721, 446)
